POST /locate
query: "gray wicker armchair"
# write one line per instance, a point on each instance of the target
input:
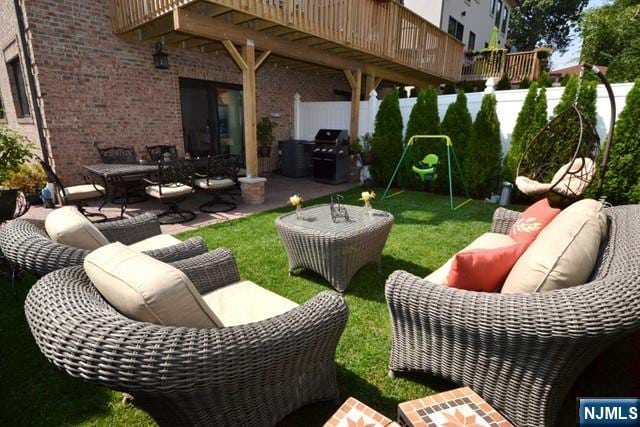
(26, 245)
(253, 375)
(520, 352)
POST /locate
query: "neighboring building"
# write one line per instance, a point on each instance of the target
(95, 81)
(470, 21)
(559, 73)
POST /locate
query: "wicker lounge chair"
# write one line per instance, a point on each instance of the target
(27, 246)
(520, 352)
(253, 375)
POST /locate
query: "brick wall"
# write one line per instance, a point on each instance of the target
(98, 87)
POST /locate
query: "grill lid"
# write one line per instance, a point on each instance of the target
(332, 136)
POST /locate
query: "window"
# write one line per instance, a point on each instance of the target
(493, 7)
(505, 19)
(498, 10)
(472, 41)
(17, 88)
(456, 29)
(3, 116)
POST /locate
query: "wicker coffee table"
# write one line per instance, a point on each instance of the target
(336, 251)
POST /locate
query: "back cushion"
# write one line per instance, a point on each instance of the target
(565, 252)
(145, 289)
(69, 227)
(531, 222)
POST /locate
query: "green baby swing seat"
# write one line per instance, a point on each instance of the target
(427, 168)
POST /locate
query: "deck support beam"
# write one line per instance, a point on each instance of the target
(372, 83)
(247, 63)
(355, 81)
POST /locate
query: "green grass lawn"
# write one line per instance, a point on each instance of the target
(426, 233)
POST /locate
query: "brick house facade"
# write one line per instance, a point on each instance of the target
(96, 87)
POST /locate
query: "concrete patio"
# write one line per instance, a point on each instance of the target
(278, 191)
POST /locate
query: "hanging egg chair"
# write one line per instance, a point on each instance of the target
(559, 163)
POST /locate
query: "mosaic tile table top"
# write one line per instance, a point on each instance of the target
(455, 408)
(354, 413)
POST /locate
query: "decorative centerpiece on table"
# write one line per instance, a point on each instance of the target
(338, 210)
(366, 197)
(296, 201)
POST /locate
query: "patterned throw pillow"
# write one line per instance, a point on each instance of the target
(532, 221)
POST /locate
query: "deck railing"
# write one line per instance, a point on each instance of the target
(382, 28)
(517, 66)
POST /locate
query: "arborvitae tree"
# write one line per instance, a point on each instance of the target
(544, 80)
(504, 83)
(521, 134)
(448, 89)
(387, 140)
(525, 83)
(456, 125)
(482, 158)
(424, 120)
(622, 179)
(565, 80)
(466, 86)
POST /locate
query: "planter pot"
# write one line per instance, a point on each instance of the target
(7, 204)
(34, 199)
(264, 151)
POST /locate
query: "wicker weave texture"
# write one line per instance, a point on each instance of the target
(520, 352)
(251, 375)
(335, 251)
(26, 244)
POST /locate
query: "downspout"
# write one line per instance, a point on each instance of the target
(32, 81)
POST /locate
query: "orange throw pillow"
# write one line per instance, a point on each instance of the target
(484, 270)
(532, 221)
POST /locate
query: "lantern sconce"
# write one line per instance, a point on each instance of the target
(160, 58)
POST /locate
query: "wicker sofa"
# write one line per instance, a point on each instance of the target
(254, 374)
(520, 352)
(26, 245)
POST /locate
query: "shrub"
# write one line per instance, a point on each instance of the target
(522, 133)
(29, 179)
(387, 140)
(466, 86)
(15, 149)
(565, 80)
(544, 80)
(424, 120)
(504, 83)
(622, 179)
(449, 89)
(482, 157)
(525, 83)
(456, 125)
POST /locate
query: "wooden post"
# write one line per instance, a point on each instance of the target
(371, 83)
(356, 92)
(248, 65)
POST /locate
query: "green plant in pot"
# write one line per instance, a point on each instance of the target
(265, 136)
(15, 150)
(366, 141)
(30, 179)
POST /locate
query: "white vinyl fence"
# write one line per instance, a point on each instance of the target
(311, 116)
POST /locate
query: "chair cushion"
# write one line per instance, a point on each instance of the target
(83, 192)
(68, 226)
(564, 253)
(532, 221)
(485, 241)
(581, 173)
(145, 289)
(168, 192)
(155, 242)
(214, 184)
(245, 302)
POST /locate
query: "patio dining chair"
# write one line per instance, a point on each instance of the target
(162, 152)
(77, 195)
(130, 188)
(174, 184)
(117, 155)
(218, 176)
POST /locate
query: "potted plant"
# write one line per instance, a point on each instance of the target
(30, 179)
(265, 136)
(366, 153)
(15, 150)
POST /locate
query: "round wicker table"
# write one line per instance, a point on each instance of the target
(338, 250)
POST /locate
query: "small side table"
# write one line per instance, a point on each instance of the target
(355, 413)
(459, 407)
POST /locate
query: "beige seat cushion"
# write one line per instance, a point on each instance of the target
(564, 253)
(214, 184)
(486, 241)
(245, 302)
(145, 289)
(83, 192)
(156, 242)
(168, 192)
(68, 226)
(574, 183)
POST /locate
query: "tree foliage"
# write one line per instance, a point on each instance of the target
(525, 83)
(544, 80)
(536, 23)
(522, 133)
(482, 157)
(504, 83)
(611, 37)
(457, 125)
(424, 120)
(387, 140)
(15, 149)
(622, 179)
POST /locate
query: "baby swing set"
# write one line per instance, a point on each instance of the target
(543, 171)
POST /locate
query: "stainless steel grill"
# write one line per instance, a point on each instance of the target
(331, 156)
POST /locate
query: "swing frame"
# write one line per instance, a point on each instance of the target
(450, 153)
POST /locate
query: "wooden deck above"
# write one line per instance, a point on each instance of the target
(379, 38)
(517, 65)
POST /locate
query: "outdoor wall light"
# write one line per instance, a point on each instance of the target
(160, 58)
